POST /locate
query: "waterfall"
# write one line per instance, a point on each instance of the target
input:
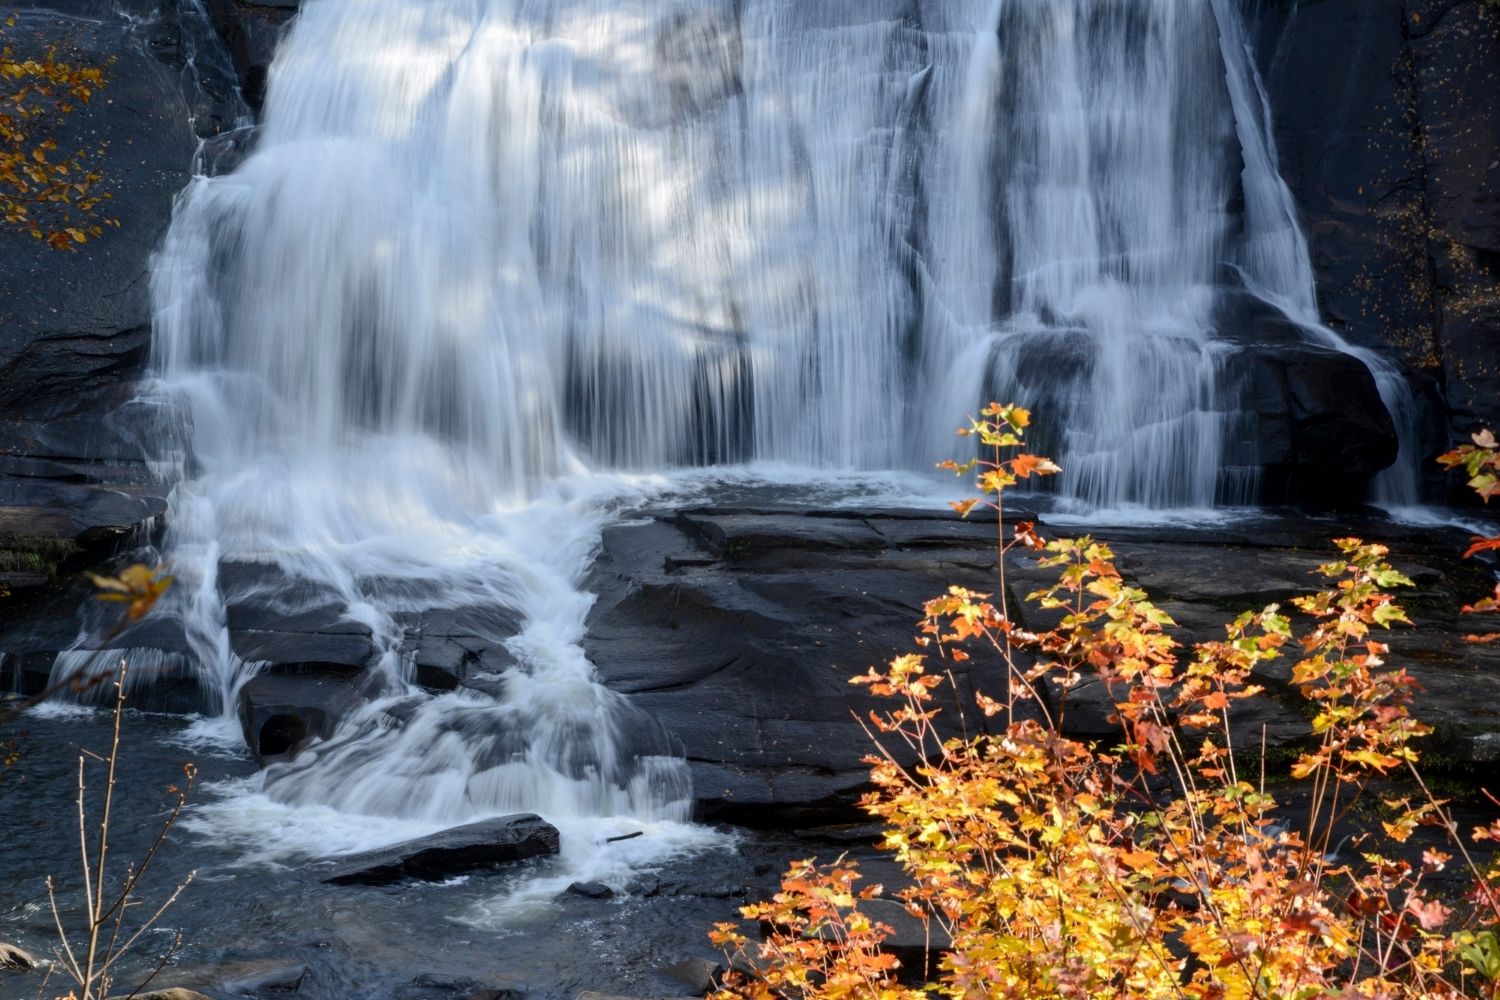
(490, 255)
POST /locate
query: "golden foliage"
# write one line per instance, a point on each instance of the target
(1152, 868)
(55, 196)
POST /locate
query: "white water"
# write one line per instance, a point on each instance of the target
(488, 251)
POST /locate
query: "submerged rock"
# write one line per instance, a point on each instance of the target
(451, 852)
(254, 979)
(13, 957)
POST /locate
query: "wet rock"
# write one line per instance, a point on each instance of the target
(593, 995)
(174, 993)
(55, 520)
(280, 714)
(697, 975)
(1321, 432)
(278, 619)
(746, 657)
(224, 153)
(13, 957)
(739, 629)
(644, 885)
(591, 890)
(451, 648)
(451, 852)
(261, 979)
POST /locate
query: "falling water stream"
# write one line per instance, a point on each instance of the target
(496, 266)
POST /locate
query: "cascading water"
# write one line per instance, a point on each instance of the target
(486, 246)
(1082, 221)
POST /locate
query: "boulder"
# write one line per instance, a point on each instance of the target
(451, 852)
(739, 630)
(174, 993)
(1320, 431)
(591, 890)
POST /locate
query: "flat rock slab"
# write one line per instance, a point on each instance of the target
(451, 852)
(82, 514)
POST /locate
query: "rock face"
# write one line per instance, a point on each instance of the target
(1309, 449)
(252, 29)
(46, 523)
(74, 326)
(67, 360)
(1389, 136)
(739, 628)
(451, 852)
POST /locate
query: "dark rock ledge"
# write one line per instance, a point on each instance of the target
(450, 852)
(739, 629)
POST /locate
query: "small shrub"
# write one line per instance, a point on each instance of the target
(1152, 868)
